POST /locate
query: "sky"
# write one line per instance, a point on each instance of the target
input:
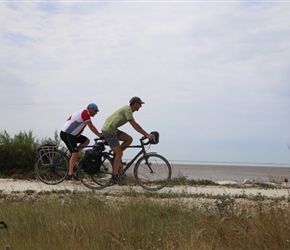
(214, 75)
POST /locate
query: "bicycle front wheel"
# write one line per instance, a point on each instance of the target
(51, 167)
(152, 172)
(100, 180)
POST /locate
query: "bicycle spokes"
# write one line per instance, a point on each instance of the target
(51, 167)
(152, 172)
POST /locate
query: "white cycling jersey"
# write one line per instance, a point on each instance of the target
(77, 122)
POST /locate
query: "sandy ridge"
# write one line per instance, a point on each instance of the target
(11, 186)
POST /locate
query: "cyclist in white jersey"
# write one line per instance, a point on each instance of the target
(71, 132)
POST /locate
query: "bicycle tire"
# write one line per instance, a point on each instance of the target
(51, 167)
(153, 177)
(100, 180)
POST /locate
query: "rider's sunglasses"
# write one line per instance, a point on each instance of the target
(96, 110)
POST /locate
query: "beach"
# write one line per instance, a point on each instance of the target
(221, 174)
(232, 172)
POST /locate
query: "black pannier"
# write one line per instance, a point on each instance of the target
(91, 162)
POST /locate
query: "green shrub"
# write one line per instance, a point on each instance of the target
(18, 153)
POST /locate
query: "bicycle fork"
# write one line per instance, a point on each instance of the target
(148, 164)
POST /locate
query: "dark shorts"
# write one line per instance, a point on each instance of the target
(112, 140)
(72, 141)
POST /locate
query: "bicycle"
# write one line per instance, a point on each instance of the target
(151, 170)
(52, 163)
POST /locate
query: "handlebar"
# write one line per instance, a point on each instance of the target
(155, 140)
(142, 139)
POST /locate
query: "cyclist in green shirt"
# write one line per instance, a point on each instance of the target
(113, 135)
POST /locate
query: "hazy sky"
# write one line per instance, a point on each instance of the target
(214, 74)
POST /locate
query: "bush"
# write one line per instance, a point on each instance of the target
(18, 154)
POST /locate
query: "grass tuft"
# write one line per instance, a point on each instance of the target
(89, 220)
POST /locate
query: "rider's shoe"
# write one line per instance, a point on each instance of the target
(116, 179)
(69, 177)
(76, 175)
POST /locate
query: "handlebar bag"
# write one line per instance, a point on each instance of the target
(156, 138)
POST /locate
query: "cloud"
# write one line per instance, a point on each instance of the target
(210, 73)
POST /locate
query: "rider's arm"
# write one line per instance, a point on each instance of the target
(139, 129)
(94, 129)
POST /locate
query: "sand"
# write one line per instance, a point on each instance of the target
(13, 186)
(220, 174)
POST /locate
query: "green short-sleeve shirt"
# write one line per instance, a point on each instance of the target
(118, 119)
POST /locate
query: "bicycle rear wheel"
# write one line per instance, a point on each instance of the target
(51, 167)
(100, 180)
(152, 172)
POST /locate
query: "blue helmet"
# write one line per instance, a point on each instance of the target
(93, 106)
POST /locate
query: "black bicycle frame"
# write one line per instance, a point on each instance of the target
(54, 166)
(64, 154)
(141, 152)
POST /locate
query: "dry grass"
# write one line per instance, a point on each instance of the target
(75, 220)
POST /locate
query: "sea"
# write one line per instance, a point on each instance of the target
(234, 172)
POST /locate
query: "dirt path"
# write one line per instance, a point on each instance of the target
(10, 185)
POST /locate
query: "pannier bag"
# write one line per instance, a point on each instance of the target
(91, 162)
(45, 152)
(156, 137)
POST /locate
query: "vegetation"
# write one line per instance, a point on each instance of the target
(184, 181)
(150, 220)
(18, 153)
(88, 220)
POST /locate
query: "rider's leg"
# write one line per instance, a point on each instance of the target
(72, 162)
(113, 141)
(126, 140)
(84, 144)
(118, 152)
(75, 155)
